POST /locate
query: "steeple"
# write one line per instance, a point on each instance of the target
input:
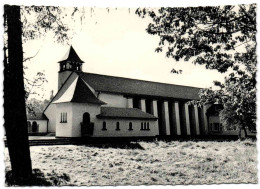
(71, 61)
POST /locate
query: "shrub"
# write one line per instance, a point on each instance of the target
(38, 178)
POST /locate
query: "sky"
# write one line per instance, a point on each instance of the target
(112, 43)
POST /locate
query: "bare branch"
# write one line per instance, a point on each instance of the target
(29, 58)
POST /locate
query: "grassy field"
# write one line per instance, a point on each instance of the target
(141, 163)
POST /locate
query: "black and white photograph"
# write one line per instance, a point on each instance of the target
(129, 94)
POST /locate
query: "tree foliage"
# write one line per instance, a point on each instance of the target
(38, 20)
(222, 38)
(35, 85)
(34, 105)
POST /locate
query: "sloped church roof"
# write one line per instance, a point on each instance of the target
(79, 90)
(111, 84)
(124, 113)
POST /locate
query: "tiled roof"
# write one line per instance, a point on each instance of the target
(129, 113)
(78, 91)
(84, 95)
(72, 56)
(36, 116)
(104, 83)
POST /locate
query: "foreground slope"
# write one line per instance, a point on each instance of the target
(150, 162)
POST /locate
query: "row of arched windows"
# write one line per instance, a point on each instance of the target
(70, 66)
(32, 127)
(104, 128)
(145, 126)
(63, 117)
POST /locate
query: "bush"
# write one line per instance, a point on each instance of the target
(38, 178)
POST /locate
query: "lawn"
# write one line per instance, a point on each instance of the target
(141, 163)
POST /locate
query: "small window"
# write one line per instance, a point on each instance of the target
(142, 126)
(117, 126)
(63, 117)
(220, 127)
(216, 126)
(130, 126)
(148, 128)
(104, 128)
(210, 127)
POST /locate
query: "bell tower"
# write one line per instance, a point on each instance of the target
(70, 63)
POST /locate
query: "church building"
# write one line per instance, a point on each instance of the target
(95, 105)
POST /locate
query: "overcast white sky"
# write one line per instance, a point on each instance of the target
(114, 43)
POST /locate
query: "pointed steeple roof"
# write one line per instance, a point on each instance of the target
(71, 56)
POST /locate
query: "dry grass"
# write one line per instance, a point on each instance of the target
(160, 162)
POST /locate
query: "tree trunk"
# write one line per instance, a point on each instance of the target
(242, 133)
(14, 100)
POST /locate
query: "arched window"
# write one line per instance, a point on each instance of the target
(142, 126)
(104, 128)
(117, 126)
(34, 127)
(29, 126)
(67, 66)
(130, 126)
